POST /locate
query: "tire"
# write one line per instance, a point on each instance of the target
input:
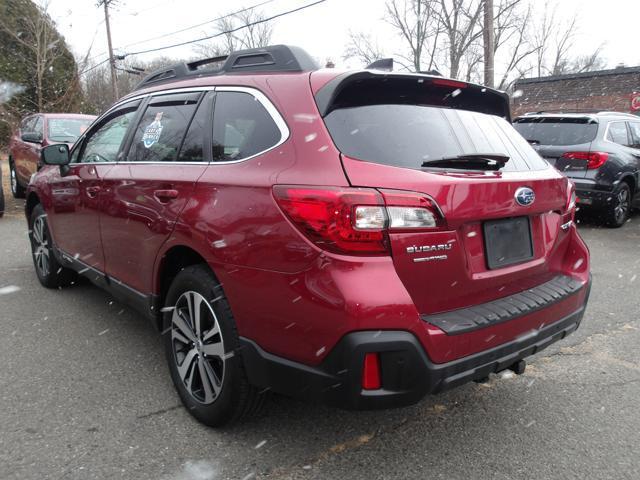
(617, 213)
(17, 190)
(49, 271)
(205, 362)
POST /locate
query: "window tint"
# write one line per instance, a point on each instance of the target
(635, 133)
(618, 133)
(557, 131)
(103, 144)
(408, 135)
(193, 146)
(163, 126)
(242, 127)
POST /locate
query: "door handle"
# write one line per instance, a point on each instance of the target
(165, 196)
(92, 191)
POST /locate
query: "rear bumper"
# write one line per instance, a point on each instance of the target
(591, 194)
(407, 372)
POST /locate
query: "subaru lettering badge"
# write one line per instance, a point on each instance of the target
(525, 196)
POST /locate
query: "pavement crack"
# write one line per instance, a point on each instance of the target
(158, 412)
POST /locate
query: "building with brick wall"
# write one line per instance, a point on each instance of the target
(617, 89)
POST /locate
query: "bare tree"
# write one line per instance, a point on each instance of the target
(362, 47)
(39, 37)
(415, 22)
(460, 22)
(246, 29)
(97, 83)
(542, 34)
(563, 43)
(589, 63)
(513, 20)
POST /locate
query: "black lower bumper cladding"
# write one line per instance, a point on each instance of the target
(407, 372)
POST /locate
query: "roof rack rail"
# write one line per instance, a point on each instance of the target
(584, 111)
(563, 110)
(274, 58)
(623, 114)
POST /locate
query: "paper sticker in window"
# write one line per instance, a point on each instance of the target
(152, 132)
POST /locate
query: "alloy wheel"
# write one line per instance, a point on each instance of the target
(41, 250)
(622, 205)
(198, 347)
(14, 181)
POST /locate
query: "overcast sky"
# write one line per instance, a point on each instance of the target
(322, 29)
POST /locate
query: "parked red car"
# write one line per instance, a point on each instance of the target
(362, 238)
(36, 132)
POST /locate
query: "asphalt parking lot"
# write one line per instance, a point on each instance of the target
(85, 394)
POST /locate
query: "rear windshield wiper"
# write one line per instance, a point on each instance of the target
(474, 161)
(533, 142)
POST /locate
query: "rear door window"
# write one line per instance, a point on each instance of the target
(617, 133)
(162, 128)
(557, 130)
(242, 127)
(404, 135)
(193, 146)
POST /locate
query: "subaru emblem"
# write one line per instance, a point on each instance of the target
(525, 196)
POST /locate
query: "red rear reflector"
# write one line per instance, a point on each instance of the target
(371, 372)
(445, 82)
(593, 159)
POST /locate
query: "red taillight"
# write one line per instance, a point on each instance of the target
(593, 159)
(325, 216)
(371, 372)
(355, 221)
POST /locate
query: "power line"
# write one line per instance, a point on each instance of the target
(196, 26)
(282, 14)
(87, 70)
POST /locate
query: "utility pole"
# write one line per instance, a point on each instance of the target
(488, 37)
(112, 60)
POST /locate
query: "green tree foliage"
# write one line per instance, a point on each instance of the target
(35, 58)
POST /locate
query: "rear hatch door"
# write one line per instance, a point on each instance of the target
(553, 136)
(388, 128)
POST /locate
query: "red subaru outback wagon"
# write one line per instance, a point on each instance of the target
(362, 238)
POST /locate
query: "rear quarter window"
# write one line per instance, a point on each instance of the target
(617, 133)
(242, 127)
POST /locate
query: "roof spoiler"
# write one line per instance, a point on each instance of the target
(368, 87)
(384, 64)
(275, 58)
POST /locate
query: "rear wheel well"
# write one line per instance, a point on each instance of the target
(632, 184)
(176, 259)
(32, 201)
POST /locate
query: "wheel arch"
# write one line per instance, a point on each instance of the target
(32, 200)
(168, 265)
(630, 180)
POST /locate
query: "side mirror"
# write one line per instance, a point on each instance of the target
(31, 137)
(56, 154)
